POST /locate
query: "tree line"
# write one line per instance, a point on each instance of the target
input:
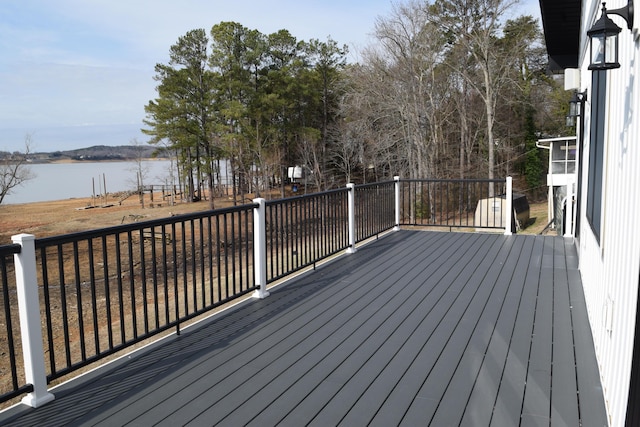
(447, 89)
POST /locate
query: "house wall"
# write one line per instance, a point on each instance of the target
(610, 268)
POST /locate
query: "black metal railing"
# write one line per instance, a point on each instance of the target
(374, 209)
(454, 203)
(107, 289)
(12, 379)
(301, 231)
(102, 291)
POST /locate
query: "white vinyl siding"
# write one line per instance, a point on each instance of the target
(609, 242)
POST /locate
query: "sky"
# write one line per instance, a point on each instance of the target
(78, 73)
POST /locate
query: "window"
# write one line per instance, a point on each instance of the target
(563, 157)
(596, 151)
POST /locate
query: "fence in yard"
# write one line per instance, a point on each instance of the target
(91, 294)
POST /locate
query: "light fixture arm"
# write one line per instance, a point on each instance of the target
(582, 96)
(625, 12)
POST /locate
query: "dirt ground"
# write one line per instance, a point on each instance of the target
(59, 217)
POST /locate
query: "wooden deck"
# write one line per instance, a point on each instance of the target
(417, 328)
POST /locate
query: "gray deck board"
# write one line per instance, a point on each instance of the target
(536, 403)
(481, 319)
(508, 402)
(564, 401)
(416, 328)
(588, 380)
(329, 415)
(482, 398)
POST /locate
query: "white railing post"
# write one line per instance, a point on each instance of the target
(260, 248)
(397, 204)
(509, 207)
(30, 322)
(568, 219)
(351, 198)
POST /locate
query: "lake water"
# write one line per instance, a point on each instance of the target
(58, 181)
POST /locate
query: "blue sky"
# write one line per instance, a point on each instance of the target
(76, 73)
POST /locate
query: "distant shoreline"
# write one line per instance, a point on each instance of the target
(67, 160)
(96, 153)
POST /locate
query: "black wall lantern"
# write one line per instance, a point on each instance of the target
(604, 37)
(576, 103)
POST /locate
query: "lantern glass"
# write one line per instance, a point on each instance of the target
(604, 51)
(574, 108)
(611, 49)
(598, 48)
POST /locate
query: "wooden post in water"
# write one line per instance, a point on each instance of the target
(99, 187)
(104, 180)
(140, 190)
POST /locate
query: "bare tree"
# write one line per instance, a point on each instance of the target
(474, 25)
(347, 152)
(401, 93)
(172, 177)
(14, 170)
(140, 168)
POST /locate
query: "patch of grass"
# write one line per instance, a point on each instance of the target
(538, 218)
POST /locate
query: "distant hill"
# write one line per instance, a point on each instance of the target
(97, 152)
